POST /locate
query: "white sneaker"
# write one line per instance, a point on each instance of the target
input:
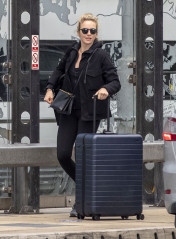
(73, 212)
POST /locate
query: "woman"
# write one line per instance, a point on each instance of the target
(89, 62)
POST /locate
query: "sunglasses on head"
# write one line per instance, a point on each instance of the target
(92, 30)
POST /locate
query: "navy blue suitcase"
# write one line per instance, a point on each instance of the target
(109, 175)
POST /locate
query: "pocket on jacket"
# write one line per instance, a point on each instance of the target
(94, 80)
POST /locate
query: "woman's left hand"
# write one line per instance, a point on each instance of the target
(102, 94)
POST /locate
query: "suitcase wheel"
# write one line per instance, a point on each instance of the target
(124, 217)
(96, 217)
(140, 217)
(80, 216)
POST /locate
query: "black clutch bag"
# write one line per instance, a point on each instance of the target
(63, 102)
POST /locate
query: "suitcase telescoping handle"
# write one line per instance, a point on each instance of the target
(95, 98)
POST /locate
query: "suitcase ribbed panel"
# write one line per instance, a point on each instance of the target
(109, 178)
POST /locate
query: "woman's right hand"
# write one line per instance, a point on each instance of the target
(49, 96)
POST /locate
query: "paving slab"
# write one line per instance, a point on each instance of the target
(56, 223)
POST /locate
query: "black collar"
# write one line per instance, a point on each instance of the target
(96, 44)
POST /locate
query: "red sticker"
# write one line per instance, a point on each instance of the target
(35, 52)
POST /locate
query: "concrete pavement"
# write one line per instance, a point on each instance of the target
(56, 223)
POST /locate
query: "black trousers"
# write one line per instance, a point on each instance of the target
(69, 127)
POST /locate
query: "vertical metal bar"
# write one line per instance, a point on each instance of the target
(108, 115)
(20, 56)
(158, 98)
(35, 93)
(124, 97)
(19, 183)
(145, 77)
(152, 33)
(139, 55)
(20, 191)
(35, 77)
(34, 200)
(149, 77)
(24, 80)
(94, 114)
(158, 73)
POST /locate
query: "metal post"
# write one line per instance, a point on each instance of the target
(34, 130)
(149, 60)
(25, 98)
(149, 88)
(126, 96)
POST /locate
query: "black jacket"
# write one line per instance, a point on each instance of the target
(97, 73)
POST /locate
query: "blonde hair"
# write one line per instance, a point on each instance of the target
(87, 17)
